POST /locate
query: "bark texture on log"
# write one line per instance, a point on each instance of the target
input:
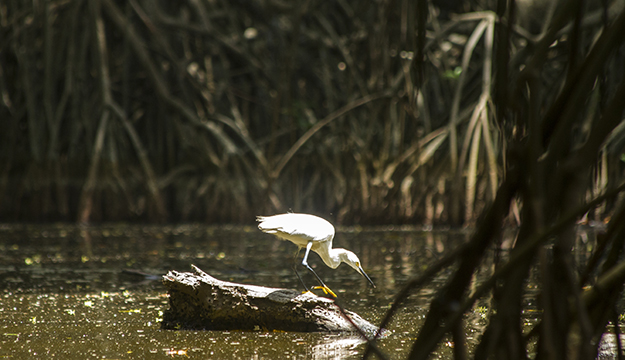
(199, 301)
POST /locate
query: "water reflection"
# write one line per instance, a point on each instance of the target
(336, 347)
(67, 291)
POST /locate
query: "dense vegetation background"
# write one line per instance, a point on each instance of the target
(215, 111)
(417, 112)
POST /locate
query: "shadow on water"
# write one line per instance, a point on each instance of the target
(78, 292)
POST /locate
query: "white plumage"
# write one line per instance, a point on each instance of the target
(313, 233)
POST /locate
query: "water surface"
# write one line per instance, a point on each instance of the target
(67, 291)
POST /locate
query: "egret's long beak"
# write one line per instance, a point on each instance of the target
(365, 275)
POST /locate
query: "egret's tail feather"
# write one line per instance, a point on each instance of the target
(267, 226)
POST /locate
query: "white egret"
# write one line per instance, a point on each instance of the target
(313, 233)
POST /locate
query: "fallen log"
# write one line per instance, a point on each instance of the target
(199, 301)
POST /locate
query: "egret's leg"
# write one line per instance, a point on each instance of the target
(296, 272)
(305, 263)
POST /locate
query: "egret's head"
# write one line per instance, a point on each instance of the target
(352, 260)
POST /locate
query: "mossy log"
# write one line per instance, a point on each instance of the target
(199, 301)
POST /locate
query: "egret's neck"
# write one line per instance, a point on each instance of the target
(333, 257)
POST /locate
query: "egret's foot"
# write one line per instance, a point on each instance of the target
(326, 290)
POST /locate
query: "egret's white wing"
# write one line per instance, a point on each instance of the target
(298, 228)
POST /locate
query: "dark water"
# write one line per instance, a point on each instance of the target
(66, 292)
